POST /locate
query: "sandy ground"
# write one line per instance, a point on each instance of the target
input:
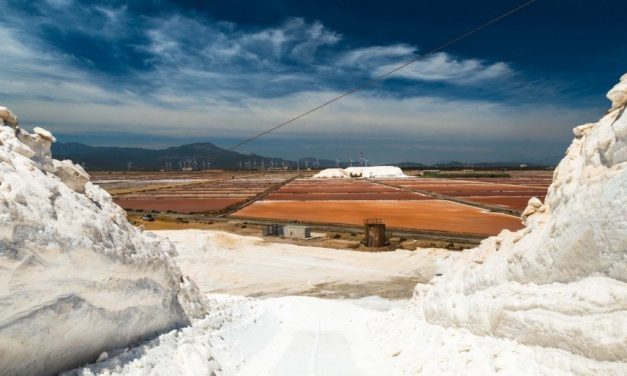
(345, 240)
(220, 262)
(436, 215)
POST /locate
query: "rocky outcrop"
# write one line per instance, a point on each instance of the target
(8, 118)
(71, 175)
(618, 94)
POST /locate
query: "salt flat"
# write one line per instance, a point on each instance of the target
(227, 263)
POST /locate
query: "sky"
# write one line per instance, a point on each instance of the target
(162, 73)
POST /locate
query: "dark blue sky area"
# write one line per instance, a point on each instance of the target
(165, 72)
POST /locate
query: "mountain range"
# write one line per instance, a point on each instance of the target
(207, 155)
(195, 156)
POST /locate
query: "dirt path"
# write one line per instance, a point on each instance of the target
(312, 337)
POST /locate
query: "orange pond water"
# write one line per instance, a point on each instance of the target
(435, 215)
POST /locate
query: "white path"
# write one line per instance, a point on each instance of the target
(314, 337)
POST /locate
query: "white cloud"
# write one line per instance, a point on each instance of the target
(441, 66)
(363, 116)
(28, 72)
(376, 55)
(186, 40)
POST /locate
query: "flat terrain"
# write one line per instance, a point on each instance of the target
(461, 205)
(340, 189)
(197, 192)
(220, 262)
(503, 192)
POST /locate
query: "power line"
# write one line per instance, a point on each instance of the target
(384, 75)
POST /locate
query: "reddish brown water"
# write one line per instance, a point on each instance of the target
(436, 215)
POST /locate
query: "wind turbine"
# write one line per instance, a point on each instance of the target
(350, 161)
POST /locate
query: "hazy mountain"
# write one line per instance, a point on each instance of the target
(207, 155)
(197, 156)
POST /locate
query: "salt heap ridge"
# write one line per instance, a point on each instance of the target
(371, 172)
(75, 277)
(560, 282)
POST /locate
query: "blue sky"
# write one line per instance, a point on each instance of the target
(160, 73)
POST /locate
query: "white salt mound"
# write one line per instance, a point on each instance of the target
(332, 173)
(372, 172)
(76, 279)
(561, 282)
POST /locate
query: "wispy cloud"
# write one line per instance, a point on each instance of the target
(442, 67)
(436, 67)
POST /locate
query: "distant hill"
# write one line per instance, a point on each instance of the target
(207, 155)
(412, 165)
(197, 156)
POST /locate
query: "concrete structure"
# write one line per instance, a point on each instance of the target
(272, 230)
(375, 232)
(297, 232)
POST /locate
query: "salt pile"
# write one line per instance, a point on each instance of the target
(332, 173)
(561, 282)
(372, 172)
(75, 277)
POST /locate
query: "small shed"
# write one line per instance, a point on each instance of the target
(297, 232)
